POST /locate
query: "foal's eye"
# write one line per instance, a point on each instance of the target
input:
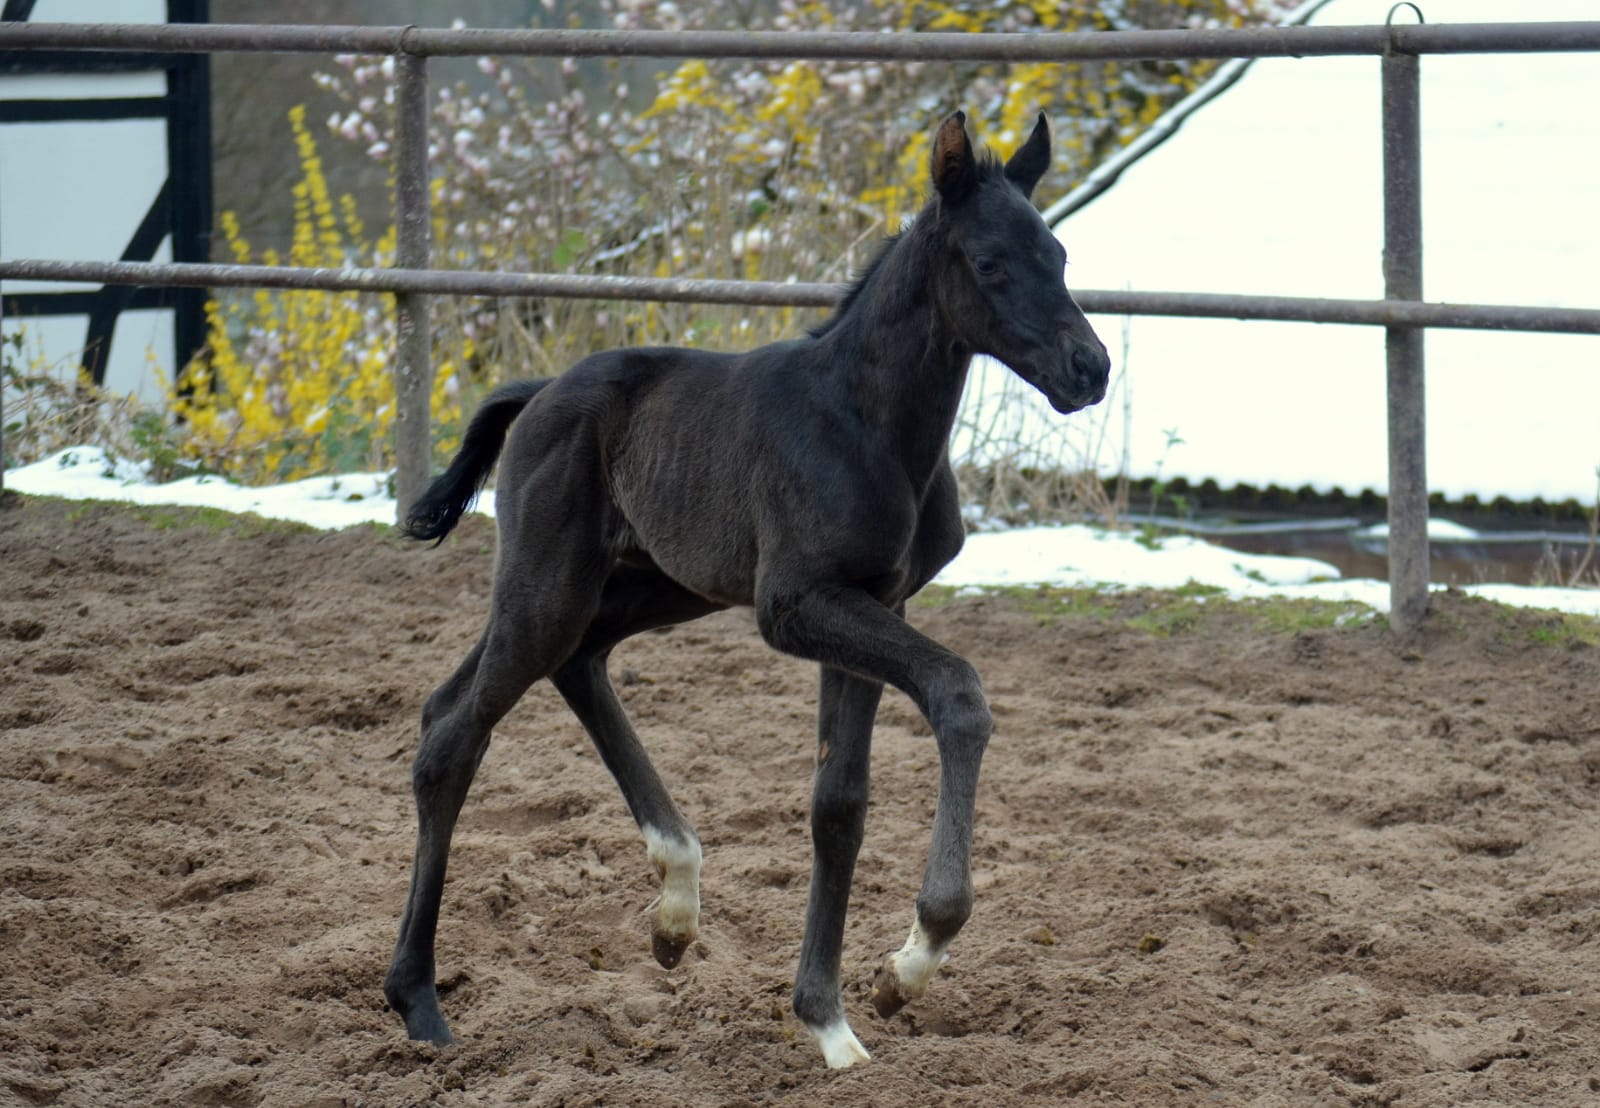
(985, 266)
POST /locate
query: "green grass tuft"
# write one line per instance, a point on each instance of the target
(1288, 615)
(1565, 630)
(1164, 612)
(172, 517)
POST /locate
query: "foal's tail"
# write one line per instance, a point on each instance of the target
(447, 498)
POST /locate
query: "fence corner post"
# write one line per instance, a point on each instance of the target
(2, 413)
(413, 369)
(1402, 272)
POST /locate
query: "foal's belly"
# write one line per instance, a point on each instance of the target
(711, 554)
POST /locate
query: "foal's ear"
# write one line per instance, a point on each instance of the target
(1031, 160)
(955, 170)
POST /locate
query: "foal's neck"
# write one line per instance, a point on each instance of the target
(905, 367)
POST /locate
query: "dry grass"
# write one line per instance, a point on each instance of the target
(1585, 571)
(50, 406)
(1019, 462)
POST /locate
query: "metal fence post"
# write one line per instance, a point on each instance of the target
(413, 369)
(1402, 274)
(2, 415)
(2, 408)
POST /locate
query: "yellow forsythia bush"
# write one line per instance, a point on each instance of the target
(764, 170)
(297, 382)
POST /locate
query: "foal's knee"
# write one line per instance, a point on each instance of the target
(839, 813)
(430, 770)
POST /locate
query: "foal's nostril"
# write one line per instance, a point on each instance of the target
(1093, 364)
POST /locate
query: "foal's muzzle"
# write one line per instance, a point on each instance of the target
(1088, 371)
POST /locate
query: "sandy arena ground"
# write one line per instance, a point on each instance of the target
(1225, 864)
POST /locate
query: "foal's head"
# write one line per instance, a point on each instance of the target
(1002, 288)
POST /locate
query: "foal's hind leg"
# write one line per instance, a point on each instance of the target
(538, 614)
(847, 707)
(635, 600)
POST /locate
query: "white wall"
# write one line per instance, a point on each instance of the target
(77, 191)
(1276, 188)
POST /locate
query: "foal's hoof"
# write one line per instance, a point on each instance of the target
(886, 996)
(418, 1005)
(669, 949)
(428, 1027)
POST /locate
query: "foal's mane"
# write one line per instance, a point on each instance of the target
(852, 294)
(989, 167)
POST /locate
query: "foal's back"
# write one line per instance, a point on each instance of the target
(668, 445)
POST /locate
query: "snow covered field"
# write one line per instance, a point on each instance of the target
(1072, 555)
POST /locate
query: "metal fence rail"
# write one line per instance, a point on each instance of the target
(1403, 313)
(792, 294)
(1257, 42)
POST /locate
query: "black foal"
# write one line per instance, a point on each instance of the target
(809, 479)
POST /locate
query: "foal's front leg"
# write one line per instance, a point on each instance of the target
(851, 631)
(847, 707)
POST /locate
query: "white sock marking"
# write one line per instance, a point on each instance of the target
(839, 1045)
(678, 863)
(916, 963)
